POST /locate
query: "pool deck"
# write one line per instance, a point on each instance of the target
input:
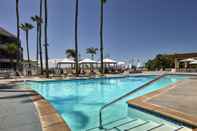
(25, 110)
(16, 110)
(178, 102)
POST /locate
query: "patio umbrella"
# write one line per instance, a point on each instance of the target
(187, 60)
(108, 61)
(121, 63)
(193, 62)
(87, 61)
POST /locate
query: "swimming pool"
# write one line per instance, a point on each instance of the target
(78, 101)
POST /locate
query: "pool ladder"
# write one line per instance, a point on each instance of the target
(130, 121)
(129, 124)
(124, 96)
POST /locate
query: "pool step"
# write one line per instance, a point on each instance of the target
(128, 124)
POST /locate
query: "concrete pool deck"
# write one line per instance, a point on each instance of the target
(25, 110)
(17, 113)
(178, 102)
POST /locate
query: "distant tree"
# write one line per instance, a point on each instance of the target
(26, 27)
(11, 49)
(92, 51)
(70, 53)
(160, 62)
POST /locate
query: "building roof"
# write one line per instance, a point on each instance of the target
(5, 33)
(6, 37)
(184, 55)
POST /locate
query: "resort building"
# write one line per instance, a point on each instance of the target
(5, 56)
(183, 61)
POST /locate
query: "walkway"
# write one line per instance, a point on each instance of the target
(178, 101)
(17, 112)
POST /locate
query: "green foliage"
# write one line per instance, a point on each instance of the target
(70, 53)
(160, 62)
(26, 26)
(103, 1)
(92, 51)
(37, 19)
(12, 48)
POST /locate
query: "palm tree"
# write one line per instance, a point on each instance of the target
(38, 22)
(92, 51)
(102, 2)
(18, 33)
(40, 38)
(12, 50)
(70, 53)
(46, 37)
(76, 37)
(26, 27)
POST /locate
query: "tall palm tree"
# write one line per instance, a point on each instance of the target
(46, 37)
(38, 22)
(92, 51)
(102, 2)
(26, 27)
(70, 53)
(76, 37)
(18, 34)
(40, 38)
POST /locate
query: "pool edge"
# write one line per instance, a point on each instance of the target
(142, 104)
(50, 120)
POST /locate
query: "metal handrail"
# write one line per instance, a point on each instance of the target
(126, 95)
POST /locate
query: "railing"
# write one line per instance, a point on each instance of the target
(126, 95)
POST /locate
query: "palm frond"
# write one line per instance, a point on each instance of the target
(103, 1)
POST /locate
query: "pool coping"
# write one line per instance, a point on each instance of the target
(50, 119)
(141, 103)
(89, 78)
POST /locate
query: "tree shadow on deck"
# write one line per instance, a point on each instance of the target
(12, 92)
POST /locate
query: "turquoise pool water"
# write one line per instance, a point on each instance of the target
(78, 101)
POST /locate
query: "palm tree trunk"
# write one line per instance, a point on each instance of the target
(18, 34)
(37, 46)
(101, 36)
(40, 39)
(46, 39)
(76, 37)
(27, 46)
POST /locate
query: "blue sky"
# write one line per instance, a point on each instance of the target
(137, 29)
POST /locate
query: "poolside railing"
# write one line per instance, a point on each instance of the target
(124, 96)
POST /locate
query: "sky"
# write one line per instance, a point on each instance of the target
(137, 29)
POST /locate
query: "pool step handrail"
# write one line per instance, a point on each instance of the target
(126, 95)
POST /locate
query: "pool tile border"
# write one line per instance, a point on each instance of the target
(49, 118)
(142, 103)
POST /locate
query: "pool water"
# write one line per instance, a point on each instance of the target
(79, 101)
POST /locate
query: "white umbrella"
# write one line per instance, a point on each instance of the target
(87, 61)
(53, 62)
(108, 61)
(193, 62)
(66, 61)
(121, 63)
(188, 60)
